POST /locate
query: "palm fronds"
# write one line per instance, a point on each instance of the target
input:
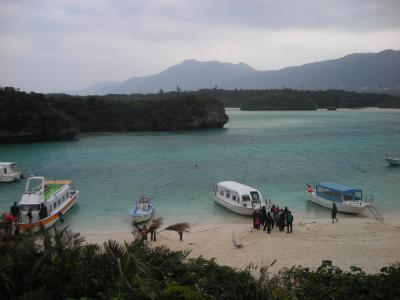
(155, 224)
(179, 227)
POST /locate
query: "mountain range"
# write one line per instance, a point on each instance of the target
(357, 72)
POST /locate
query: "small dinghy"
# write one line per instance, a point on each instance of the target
(393, 161)
(143, 210)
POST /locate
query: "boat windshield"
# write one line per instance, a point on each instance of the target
(34, 186)
(255, 197)
(358, 196)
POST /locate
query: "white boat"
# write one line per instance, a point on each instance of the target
(237, 197)
(393, 160)
(46, 201)
(143, 210)
(348, 199)
(8, 173)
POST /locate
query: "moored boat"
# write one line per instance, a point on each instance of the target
(393, 161)
(8, 173)
(237, 197)
(348, 199)
(43, 203)
(143, 210)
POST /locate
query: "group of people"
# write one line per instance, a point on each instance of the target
(143, 233)
(275, 217)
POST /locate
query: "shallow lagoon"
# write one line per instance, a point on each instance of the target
(277, 152)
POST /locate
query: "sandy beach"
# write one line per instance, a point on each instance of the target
(362, 242)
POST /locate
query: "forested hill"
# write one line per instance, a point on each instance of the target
(278, 99)
(28, 117)
(288, 99)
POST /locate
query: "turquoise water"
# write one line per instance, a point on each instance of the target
(277, 152)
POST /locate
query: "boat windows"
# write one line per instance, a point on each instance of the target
(234, 197)
(329, 192)
(228, 194)
(358, 196)
(245, 198)
(221, 192)
(348, 197)
(27, 207)
(58, 201)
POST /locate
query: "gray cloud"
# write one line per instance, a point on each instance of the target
(49, 45)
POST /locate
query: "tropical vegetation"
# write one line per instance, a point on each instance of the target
(26, 117)
(59, 265)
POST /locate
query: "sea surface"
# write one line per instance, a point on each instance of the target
(277, 152)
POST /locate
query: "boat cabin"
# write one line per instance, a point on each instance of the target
(337, 192)
(144, 204)
(8, 171)
(43, 198)
(243, 195)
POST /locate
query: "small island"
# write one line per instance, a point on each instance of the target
(35, 117)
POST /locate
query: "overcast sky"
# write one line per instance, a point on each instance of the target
(50, 45)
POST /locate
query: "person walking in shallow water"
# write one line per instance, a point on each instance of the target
(334, 213)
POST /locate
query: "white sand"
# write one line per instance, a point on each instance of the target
(358, 241)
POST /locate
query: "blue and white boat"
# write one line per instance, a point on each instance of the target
(143, 210)
(348, 199)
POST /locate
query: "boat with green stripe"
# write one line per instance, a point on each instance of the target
(44, 203)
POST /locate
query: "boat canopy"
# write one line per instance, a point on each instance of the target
(7, 164)
(342, 189)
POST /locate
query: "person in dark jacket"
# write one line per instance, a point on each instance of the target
(268, 222)
(289, 222)
(263, 216)
(254, 215)
(282, 221)
(14, 210)
(334, 213)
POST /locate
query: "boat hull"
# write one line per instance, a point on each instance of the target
(246, 211)
(344, 208)
(53, 218)
(10, 178)
(393, 161)
(140, 218)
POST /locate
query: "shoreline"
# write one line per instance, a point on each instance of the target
(361, 242)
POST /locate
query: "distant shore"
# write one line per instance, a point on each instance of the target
(361, 242)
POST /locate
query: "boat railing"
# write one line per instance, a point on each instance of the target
(369, 200)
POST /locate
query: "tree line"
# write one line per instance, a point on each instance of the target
(278, 99)
(35, 117)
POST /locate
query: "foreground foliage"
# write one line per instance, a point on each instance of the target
(60, 266)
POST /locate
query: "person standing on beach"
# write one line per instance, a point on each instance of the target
(289, 222)
(334, 213)
(268, 221)
(145, 232)
(282, 220)
(263, 217)
(254, 215)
